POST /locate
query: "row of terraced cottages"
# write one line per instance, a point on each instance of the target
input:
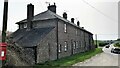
(48, 36)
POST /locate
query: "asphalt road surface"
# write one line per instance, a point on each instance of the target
(104, 59)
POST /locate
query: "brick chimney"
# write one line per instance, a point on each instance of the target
(52, 8)
(65, 15)
(72, 20)
(78, 23)
(30, 15)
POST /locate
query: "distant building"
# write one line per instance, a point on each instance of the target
(48, 36)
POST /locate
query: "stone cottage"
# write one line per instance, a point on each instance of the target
(48, 36)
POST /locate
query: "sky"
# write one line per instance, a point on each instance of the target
(97, 16)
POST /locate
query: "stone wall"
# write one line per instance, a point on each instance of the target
(19, 56)
(47, 47)
(73, 35)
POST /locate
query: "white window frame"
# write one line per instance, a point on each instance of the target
(65, 46)
(60, 48)
(25, 25)
(74, 45)
(65, 28)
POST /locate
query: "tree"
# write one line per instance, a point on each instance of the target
(118, 39)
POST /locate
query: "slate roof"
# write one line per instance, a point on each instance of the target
(51, 15)
(42, 16)
(30, 38)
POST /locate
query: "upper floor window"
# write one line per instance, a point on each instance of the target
(76, 32)
(65, 28)
(25, 25)
(65, 46)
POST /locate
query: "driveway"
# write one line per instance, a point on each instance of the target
(104, 59)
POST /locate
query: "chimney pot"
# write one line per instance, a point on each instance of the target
(65, 15)
(52, 8)
(54, 3)
(78, 23)
(83, 27)
(72, 20)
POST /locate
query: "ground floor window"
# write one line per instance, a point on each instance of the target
(74, 45)
(60, 48)
(65, 46)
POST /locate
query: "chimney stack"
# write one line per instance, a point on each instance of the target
(30, 14)
(72, 20)
(78, 23)
(52, 8)
(65, 15)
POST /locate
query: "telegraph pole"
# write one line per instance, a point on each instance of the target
(4, 27)
(96, 40)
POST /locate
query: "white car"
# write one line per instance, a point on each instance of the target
(115, 50)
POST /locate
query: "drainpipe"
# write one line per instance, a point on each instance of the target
(71, 47)
(57, 41)
(84, 43)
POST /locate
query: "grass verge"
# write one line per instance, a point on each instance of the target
(68, 61)
(117, 44)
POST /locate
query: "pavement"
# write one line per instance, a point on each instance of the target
(104, 59)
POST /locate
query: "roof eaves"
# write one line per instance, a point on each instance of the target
(65, 20)
(20, 21)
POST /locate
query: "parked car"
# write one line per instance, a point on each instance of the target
(115, 50)
(107, 46)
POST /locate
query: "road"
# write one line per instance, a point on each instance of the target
(104, 59)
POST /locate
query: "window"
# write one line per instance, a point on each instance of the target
(76, 32)
(65, 46)
(25, 25)
(60, 48)
(74, 45)
(21, 26)
(65, 28)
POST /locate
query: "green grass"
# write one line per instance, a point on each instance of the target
(117, 44)
(68, 61)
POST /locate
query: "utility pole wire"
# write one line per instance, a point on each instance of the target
(99, 11)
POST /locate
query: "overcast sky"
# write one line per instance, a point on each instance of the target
(97, 16)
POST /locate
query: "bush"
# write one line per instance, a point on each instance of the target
(118, 39)
(117, 45)
(103, 44)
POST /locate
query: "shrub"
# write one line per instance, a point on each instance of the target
(103, 44)
(117, 45)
